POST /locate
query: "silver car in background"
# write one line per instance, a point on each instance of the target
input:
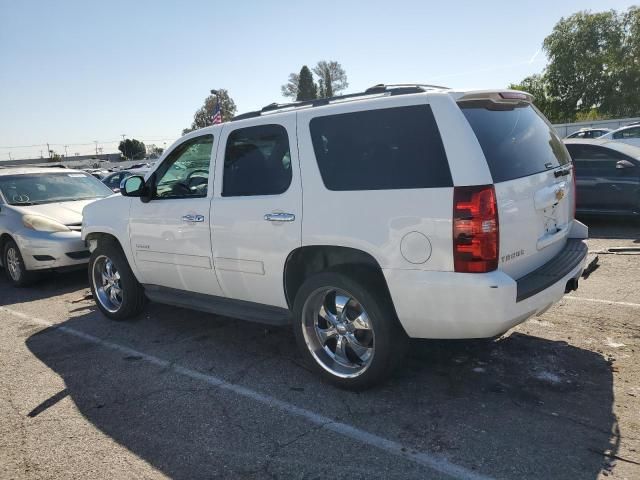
(41, 219)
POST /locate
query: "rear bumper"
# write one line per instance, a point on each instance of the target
(45, 251)
(462, 305)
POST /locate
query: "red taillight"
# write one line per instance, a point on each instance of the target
(475, 229)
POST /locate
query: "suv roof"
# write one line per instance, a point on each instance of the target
(395, 89)
(383, 90)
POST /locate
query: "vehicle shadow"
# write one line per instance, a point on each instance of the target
(523, 406)
(615, 228)
(48, 285)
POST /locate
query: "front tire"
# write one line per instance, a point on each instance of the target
(346, 328)
(115, 288)
(14, 266)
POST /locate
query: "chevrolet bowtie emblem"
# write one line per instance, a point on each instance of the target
(559, 194)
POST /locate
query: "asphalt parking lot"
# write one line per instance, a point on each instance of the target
(182, 394)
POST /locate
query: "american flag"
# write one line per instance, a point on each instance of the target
(217, 114)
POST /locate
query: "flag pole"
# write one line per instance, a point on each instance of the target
(217, 106)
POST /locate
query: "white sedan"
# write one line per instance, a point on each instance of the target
(629, 134)
(41, 219)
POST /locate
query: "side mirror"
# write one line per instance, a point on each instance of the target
(624, 164)
(132, 186)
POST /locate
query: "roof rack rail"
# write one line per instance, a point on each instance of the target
(391, 89)
(386, 87)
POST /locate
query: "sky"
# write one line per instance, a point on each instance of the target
(73, 72)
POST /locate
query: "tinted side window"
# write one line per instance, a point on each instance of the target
(516, 140)
(592, 160)
(257, 161)
(391, 148)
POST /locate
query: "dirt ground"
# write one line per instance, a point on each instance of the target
(180, 394)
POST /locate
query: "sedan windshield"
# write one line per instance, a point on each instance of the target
(38, 188)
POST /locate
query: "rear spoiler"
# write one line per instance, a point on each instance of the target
(503, 96)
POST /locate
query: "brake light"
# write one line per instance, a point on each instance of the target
(514, 96)
(475, 229)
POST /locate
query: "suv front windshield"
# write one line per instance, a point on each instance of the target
(39, 188)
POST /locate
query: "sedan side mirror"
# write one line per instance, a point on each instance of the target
(624, 164)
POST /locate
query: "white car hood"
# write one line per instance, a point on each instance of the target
(66, 213)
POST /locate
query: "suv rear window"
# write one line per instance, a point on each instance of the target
(390, 148)
(516, 140)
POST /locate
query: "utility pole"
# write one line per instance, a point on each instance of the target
(96, 142)
(41, 154)
(10, 156)
(49, 150)
(66, 154)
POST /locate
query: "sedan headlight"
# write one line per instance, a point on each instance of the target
(43, 224)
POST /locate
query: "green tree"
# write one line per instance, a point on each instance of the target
(536, 86)
(332, 78)
(584, 55)
(132, 149)
(203, 116)
(627, 76)
(593, 69)
(54, 157)
(290, 89)
(307, 89)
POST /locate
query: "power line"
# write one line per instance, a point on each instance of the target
(37, 145)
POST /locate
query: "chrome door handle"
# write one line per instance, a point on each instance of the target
(279, 217)
(193, 218)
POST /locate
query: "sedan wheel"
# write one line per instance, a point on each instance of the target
(14, 266)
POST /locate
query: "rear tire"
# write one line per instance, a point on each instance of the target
(115, 289)
(346, 328)
(14, 266)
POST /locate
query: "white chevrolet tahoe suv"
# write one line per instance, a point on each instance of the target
(362, 220)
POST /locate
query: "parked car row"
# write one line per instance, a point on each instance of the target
(414, 197)
(628, 134)
(113, 177)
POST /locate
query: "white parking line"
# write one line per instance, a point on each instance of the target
(435, 462)
(598, 300)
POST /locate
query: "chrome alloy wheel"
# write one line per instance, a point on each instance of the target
(13, 264)
(106, 283)
(338, 332)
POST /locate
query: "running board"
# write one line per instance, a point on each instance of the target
(226, 307)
